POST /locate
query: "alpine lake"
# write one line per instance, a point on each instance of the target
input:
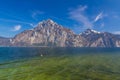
(43, 63)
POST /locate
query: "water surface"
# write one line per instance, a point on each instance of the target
(38, 63)
(16, 53)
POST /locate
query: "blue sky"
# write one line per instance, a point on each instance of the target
(78, 15)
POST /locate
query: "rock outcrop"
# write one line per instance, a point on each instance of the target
(100, 39)
(49, 33)
(4, 41)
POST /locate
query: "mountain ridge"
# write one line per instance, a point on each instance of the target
(49, 33)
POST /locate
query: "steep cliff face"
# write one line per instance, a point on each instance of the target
(101, 39)
(49, 33)
(4, 41)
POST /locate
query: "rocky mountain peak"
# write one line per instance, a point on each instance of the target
(48, 21)
(90, 31)
(49, 33)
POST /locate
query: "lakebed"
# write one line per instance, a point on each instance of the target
(60, 64)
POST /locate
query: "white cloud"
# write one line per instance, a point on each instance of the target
(33, 25)
(98, 17)
(17, 28)
(78, 15)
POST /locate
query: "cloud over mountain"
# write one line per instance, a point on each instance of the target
(17, 28)
(78, 15)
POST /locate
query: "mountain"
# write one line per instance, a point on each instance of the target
(4, 41)
(100, 39)
(49, 33)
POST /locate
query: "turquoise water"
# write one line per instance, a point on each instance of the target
(16, 53)
(38, 63)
